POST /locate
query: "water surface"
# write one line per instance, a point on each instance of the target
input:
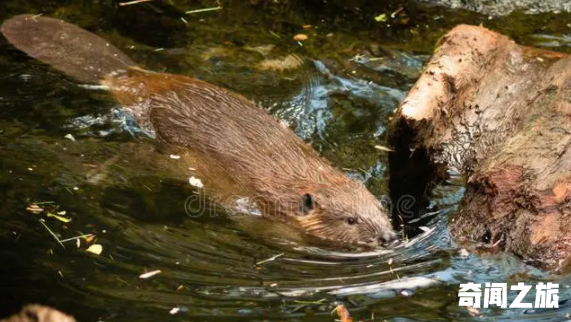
(113, 183)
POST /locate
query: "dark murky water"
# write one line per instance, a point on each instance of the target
(113, 183)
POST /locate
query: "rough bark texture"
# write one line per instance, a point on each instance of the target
(500, 114)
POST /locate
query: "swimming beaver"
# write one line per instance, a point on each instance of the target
(285, 177)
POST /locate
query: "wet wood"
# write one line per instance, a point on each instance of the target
(500, 114)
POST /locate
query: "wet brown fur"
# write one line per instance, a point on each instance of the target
(232, 137)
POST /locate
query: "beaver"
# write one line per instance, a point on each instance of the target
(284, 177)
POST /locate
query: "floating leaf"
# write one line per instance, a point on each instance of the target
(300, 37)
(60, 218)
(381, 18)
(343, 313)
(89, 238)
(34, 209)
(95, 249)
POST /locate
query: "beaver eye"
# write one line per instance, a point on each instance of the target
(307, 204)
(351, 220)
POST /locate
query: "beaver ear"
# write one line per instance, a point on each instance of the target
(307, 203)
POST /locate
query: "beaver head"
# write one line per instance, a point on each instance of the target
(343, 212)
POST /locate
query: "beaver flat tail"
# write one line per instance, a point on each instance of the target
(66, 47)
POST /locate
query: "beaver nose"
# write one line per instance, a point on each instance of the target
(387, 237)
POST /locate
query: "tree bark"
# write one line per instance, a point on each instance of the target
(500, 114)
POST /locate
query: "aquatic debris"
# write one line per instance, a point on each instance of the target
(274, 34)
(394, 14)
(69, 137)
(34, 209)
(269, 259)
(89, 239)
(472, 311)
(174, 310)
(390, 262)
(343, 313)
(406, 283)
(150, 274)
(287, 63)
(58, 217)
(311, 302)
(263, 50)
(304, 304)
(204, 10)
(300, 37)
(121, 4)
(51, 233)
(95, 249)
(214, 52)
(195, 182)
(381, 18)
(384, 148)
(175, 157)
(463, 253)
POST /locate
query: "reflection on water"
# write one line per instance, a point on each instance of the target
(113, 182)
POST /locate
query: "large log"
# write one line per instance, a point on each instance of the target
(500, 114)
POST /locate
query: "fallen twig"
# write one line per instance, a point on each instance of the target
(203, 10)
(76, 237)
(121, 4)
(51, 232)
(269, 259)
